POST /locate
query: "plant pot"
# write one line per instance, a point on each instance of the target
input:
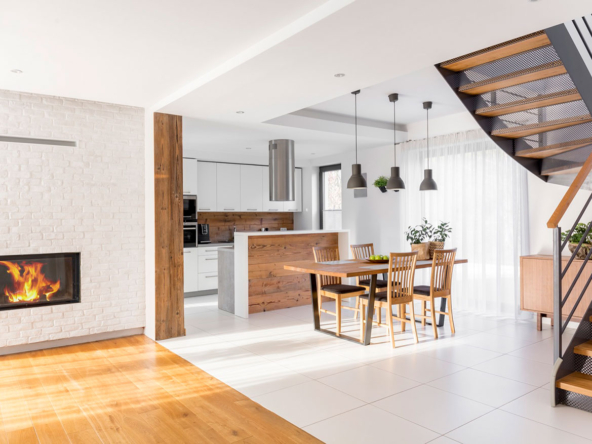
(435, 246)
(383, 189)
(423, 250)
(582, 252)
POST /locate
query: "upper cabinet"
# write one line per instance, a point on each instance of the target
(189, 176)
(296, 205)
(206, 186)
(251, 188)
(268, 205)
(228, 187)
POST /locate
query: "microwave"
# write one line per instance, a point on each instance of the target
(189, 208)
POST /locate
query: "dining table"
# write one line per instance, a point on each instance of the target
(351, 268)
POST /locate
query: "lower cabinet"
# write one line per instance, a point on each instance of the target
(190, 277)
(207, 268)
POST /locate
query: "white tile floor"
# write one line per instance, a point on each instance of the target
(488, 383)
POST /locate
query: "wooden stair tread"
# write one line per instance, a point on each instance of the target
(570, 95)
(515, 78)
(551, 150)
(564, 169)
(536, 128)
(584, 349)
(506, 49)
(576, 382)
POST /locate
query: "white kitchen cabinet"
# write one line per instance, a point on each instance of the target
(251, 187)
(268, 205)
(295, 205)
(189, 176)
(228, 182)
(190, 270)
(208, 268)
(206, 186)
(208, 281)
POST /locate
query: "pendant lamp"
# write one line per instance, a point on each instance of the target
(395, 182)
(428, 183)
(356, 181)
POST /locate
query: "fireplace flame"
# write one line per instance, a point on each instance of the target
(28, 282)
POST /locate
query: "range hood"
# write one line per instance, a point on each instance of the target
(281, 170)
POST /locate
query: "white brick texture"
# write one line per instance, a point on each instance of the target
(87, 199)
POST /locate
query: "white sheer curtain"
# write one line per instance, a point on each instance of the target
(482, 192)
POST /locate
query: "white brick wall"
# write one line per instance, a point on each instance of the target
(87, 199)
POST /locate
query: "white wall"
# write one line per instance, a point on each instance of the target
(87, 199)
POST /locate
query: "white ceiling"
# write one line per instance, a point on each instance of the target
(132, 52)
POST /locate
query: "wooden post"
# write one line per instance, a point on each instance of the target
(168, 200)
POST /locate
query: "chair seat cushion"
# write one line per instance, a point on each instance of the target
(380, 283)
(423, 290)
(377, 298)
(342, 289)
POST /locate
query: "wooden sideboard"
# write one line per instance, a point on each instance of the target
(536, 286)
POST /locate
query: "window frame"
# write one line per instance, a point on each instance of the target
(324, 169)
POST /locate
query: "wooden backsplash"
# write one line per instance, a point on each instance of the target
(222, 224)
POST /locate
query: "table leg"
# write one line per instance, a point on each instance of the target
(315, 301)
(370, 312)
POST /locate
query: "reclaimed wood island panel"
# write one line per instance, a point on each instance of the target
(262, 283)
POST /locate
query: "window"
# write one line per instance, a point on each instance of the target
(330, 197)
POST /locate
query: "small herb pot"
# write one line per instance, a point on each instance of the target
(423, 250)
(582, 252)
(383, 189)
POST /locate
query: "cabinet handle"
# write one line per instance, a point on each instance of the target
(273, 209)
(209, 250)
(228, 209)
(205, 209)
(207, 277)
(251, 209)
(212, 259)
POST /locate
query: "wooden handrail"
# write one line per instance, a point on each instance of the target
(570, 194)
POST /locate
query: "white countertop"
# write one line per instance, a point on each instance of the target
(286, 232)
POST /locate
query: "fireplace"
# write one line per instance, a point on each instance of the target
(34, 280)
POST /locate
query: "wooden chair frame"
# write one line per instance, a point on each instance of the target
(364, 251)
(440, 287)
(326, 254)
(401, 277)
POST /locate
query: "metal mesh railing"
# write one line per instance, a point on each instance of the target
(580, 132)
(541, 115)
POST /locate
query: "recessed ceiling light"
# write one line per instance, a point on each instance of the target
(16, 71)
(240, 112)
(248, 148)
(312, 154)
(340, 74)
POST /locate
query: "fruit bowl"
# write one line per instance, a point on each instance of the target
(378, 261)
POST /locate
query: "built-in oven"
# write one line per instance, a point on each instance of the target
(189, 234)
(189, 208)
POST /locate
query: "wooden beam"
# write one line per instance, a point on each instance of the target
(570, 194)
(168, 204)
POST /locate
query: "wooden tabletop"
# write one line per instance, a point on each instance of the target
(351, 267)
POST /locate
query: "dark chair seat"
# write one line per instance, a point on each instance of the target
(342, 289)
(377, 298)
(380, 283)
(423, 290)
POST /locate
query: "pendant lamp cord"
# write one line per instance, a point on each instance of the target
(395, 130)
(356, 123)
(428, 135)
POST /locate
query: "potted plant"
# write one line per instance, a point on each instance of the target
(417, 236)
(440, 234)
(575, 239)
(380, 183)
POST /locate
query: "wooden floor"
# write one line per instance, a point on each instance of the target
(129, 390)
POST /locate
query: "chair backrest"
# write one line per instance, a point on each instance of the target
(401, 277)
(442, 266)
(362, 251)
(326, 254)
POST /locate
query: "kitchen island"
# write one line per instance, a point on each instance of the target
(260, 281)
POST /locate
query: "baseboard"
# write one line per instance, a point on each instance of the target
(70, 341)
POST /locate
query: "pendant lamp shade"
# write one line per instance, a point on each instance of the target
(395, 182)
(428, 183)
(356, 181)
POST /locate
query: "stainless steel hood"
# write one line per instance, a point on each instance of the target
(281, 170)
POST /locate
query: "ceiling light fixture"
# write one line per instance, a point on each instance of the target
(240, 112)
(248, 148)
(16, 71)
(356, 181)
(428, 183)
(395, 182)
(339, 75)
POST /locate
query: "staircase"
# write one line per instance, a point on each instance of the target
(533, 95)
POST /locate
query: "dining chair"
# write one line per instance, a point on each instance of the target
(399, 292)
(332, 287)
(364, 251)
(440, 285)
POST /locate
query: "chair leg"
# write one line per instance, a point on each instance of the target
(450, 314)
(390, 326)
(413, 327)
(338, 313)
(403, 310)
(378, 315)
(433, 312)
(357, 308)
(423, 312)
(362, 321)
